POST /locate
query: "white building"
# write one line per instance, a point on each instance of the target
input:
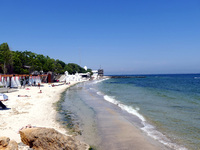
(95, 74)
(85, 68)
(77, 77)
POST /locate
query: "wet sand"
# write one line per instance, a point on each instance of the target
(118, 133)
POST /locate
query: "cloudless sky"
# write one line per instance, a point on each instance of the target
(120, 36)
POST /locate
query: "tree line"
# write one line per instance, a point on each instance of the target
(25, 62)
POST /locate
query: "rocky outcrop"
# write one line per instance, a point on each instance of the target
(6, 144)
(49, 139)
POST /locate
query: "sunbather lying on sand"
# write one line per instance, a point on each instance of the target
(24, 96)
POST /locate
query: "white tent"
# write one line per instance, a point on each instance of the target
(15, 82)
(3, 97)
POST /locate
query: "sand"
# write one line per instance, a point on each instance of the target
(37, 110)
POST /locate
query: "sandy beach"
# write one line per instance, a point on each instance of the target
(36, 110)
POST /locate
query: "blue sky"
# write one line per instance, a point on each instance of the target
(121, 36)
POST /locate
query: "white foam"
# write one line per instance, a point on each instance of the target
(152, 132)
(129, 109)
(111, 99)
(98, 81)
(99, 93)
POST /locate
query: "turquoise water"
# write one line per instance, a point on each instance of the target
(168, 105)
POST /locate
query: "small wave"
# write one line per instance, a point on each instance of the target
(152, 132)
(98, 81)
(196, 77)
(111, 99)
(129, 109)
(132, 111)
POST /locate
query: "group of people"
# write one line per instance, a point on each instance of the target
(23, 82)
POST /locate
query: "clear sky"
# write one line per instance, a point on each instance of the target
(121, 36)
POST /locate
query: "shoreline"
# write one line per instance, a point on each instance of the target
(39, 110)
(115, 130)
(30, 107)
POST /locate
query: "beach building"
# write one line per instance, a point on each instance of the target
(85, 67)
(100, 72)
(76, 77)
(97, 74)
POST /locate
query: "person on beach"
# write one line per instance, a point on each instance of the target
(2, 105)
(21, 83)
(24, 83)
(23, 96)
(39, 85)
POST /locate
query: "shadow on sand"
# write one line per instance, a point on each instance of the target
(5, 108)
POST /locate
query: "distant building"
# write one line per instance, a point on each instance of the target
(97, 74)
(76, 77)
(100, 72)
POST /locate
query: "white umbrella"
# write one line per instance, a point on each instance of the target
(3, 97)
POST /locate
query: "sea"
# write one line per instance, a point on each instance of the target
(165, 107)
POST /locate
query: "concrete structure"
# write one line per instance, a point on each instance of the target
(97, 74)
(100, 72)
(76, 77)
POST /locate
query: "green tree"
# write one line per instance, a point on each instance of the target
(6, 60)
(59, 66)
(25, 62)
(17, 64)
(73, 68)
(49, 65)
(41, 61)
(67, 68)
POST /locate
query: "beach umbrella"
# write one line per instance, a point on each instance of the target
(3, 97)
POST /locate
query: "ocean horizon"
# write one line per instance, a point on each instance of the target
(150, 74)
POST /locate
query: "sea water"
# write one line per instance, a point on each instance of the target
(167, 106)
